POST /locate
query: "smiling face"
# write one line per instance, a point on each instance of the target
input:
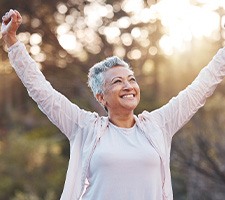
(121, 92)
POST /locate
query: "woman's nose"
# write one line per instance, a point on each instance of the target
(127, 85)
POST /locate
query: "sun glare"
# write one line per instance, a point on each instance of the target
(184, 22)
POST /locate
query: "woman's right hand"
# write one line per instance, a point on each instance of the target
(10, 23)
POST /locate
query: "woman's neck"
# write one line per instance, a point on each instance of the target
(123, 121)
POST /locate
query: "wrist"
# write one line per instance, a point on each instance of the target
(10, 40)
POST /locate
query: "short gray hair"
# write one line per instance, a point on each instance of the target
(95, 75)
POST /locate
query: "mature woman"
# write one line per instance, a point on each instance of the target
(121, 156)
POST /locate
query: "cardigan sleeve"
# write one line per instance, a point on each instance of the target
(61, 112)
(179, 110)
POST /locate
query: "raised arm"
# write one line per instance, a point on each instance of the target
(179, 110)
(65, 115)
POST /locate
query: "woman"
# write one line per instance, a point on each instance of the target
(122, 156)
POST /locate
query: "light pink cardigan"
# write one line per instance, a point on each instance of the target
(84, 129)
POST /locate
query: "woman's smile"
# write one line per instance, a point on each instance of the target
(128, 96)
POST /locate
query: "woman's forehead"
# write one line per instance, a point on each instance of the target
(119, 71)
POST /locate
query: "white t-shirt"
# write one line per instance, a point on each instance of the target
(124, 166)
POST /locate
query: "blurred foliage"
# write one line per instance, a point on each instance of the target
(30, 163)
(33, 153)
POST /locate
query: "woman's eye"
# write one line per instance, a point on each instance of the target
(133, 79)
(117, 81)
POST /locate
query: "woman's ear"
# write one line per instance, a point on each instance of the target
(100, 98)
